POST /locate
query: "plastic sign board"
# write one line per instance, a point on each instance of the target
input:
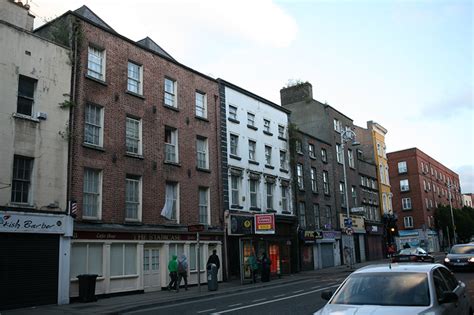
(196, 228)
(265, 223)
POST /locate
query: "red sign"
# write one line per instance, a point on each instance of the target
(265, 223)
(196, 228)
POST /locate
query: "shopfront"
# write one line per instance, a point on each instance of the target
(308, 239)
(374, 241)
(326, 250)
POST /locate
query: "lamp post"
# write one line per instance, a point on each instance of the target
(346, 136)
(452, 216)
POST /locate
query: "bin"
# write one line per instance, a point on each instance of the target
(212, 277)
(87, 288)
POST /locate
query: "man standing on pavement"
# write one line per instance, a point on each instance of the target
(214, 259)
(173, 269)
(182, 272)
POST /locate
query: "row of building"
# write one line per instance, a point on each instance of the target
(114, 154)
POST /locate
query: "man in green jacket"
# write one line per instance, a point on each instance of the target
(173, 269)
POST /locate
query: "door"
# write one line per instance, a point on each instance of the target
(151, 268)
(327, 255)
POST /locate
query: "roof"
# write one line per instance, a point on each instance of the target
(150, 44)
(398, 267)
(87, 13)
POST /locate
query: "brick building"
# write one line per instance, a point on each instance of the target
(145, 160)
(419, 184)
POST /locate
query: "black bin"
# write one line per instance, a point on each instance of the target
(212, 277)
(87, 288)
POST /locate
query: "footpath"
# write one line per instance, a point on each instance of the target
(124, 303)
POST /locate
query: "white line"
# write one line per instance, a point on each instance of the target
(275, 300)
(298, 291)
(232, 305)
(259, 300)
(279, 295)
(204, 311)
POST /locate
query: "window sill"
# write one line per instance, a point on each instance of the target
(201, 118)
(172, 163)
(133, 222)
(235, 157)
(92, 220)
(252, 127)
(299, 152)
(286, 212)
(25, 117)
(21, 205)
(267, 133)
(235, 121)
(312, 157)
(325, 162)
(175, 109)
(253, 162)
(284, 171)
(204, 170)
(93, 147)
(271, 211)
(134, 156)
(282, 139)
(301, 190)
(236, 207)
(123, 277)
(269, 166)
(135, 95)
(255, 209)
(96, 80)
(315, 192)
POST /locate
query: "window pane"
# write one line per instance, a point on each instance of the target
(78, 259)
(130, 259)
(116, 259)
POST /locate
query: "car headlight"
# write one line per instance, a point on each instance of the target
(471, 260)
(446, 259)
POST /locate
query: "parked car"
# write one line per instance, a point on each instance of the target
(415, 254)
(460, 256)
(399, 289)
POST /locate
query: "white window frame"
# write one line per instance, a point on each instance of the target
(170, 94)
(281, 131)
(235, 190)
(342, 192)
(402, 167)
(302, 214)
(125, 257)
(266, 125)
(96, 58)
(299, 147)
(253, 192)
(311, 149)
(408, 222)
(406, 203)
(133, 138)
(252, 150)
(171, 145)
(316, 216)
(234, 145)
(337, 125)
(269, 187)
(201, 104)
(404, 185)
(326, 183)
(284, 198)
(202, 153)
(354, 195)
(299, 176)
(233, 112)
(339, 153)
(136, 200)
(97, 194)
(94, 125)
(268, 155)
(25, 101)
(193, 258)
(251, 119)
(350, 158)
(135, 78)
(204, 206)
(283, 161)
(173, 188)
(22, 177)
(90, 263)
(314, 182)
(324, 155)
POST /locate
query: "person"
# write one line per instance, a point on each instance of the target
(406, 245)
(253, 265)
(173, 269)
(266, 262)
(391, 249)
(347, 256)
(182, 272)
(214, 259)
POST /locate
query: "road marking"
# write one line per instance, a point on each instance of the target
(314, 287)
(271, 301)
(298, 291)
(204, 311)
(279, 295)
(233, 305)
(259, 300)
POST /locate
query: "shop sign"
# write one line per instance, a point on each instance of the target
(32, 223)
(374, 229)
(310, 237)
(331, 235)
(241, 225)
(142, 236)
(265, 223)
(358, 224)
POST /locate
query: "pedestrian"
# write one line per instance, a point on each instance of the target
(406, 245)
(173, 269)
(214, 259)
(391, 250)
(253, 266)
(347, 256)
(182, 272)
(266, 262)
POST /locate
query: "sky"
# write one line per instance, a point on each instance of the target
(407, 65)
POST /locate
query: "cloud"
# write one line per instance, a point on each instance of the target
(466, 177)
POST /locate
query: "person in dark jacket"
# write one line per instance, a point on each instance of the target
(182, 272)
(406, 245)
(265, 262)
(214, 259)
(173, 269)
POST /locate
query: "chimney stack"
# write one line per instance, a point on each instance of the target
(17, 14)
(302, 92)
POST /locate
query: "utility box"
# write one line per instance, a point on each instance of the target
(212, 277)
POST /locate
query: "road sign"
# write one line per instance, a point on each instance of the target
(196, 228)
(349, 231)
(348, 222)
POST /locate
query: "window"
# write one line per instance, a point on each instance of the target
(252, 150)
(132, 198)
(354, 196)
(232, 112)
(408, 222)
(269, 195)
(123, 259)
(204, 211)
(235, 190)
(254, 193)
(171, 145)
(266, 125)
(350, 157)
(342, 191)
(427, 204)
(234, 145)
(339, 153)
(170, 93)
(26, 94)
(92, 193)
(251, 119)
(402, 167)
(299, 147)
(429, 186)
(406, 203)
(284, 198)
(326, 182)
(202, 153)
(133, 136)
(283, 162)
(93, 126)
(268, 155)
(404, 185)
(281, 131)
(381, 173)
(314, 185)
(299, 174)
(317, 225)
(134, 83)
(337, 125)
(379, 149)
(96, 63)
(326, 218)
(302, 214)
(21, 179)
(324, 155)
(86, 258)
(193, 258)
(431, 203)
(201, 104)
(311, 150)
(172, 200)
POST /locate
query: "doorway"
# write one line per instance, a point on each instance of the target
(151, 269)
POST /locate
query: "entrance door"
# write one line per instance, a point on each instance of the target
(151, 268)
(327, 255)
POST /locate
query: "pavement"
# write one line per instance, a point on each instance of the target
(126, 303)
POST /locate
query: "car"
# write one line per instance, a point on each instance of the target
(461, 256)
(401, 288)
(412, 254)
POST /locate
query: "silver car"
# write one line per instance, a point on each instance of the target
(460, 256)
(399, 289)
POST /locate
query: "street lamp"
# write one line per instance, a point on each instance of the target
(452, 216)
(347, 135)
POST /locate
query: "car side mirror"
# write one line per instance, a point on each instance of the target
(326, 295)
(448, 297)
(446, 253)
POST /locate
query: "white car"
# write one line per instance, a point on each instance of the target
(399, 289)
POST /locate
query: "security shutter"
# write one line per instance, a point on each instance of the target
(327, 255)
(28, 269)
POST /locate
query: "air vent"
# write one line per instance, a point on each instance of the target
(41, 115)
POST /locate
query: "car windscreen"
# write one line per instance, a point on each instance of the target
(385, 288)
(407, 251)
(462, 249)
